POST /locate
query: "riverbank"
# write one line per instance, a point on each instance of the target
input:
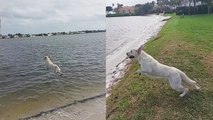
(133, 32)
(182, 43)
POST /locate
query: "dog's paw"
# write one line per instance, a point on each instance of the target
(197, 88)
(184, 93)
(181, 95)
(138, 72)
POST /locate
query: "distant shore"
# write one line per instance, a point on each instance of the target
(20, 35)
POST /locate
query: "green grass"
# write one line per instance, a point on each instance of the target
(183, 43)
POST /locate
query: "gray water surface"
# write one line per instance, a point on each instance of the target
(27, 87)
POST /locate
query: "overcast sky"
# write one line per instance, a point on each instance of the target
(37, 16)
(128, 2)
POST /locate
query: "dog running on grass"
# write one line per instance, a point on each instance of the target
(151, 67)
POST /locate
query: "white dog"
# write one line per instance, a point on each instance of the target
(151, 67)
(52, 66)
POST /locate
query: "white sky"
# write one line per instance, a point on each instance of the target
(37, 16)
(127, 2)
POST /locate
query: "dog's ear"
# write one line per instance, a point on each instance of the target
(140, 49)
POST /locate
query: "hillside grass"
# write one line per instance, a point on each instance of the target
(183, 43)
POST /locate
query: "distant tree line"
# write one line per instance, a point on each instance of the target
(19, 35)
(206, 7)
(147, 8)
(187, 7)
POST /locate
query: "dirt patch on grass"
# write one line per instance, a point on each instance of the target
(174, 46)
(159, 113)
(171, 49)
(207, 60)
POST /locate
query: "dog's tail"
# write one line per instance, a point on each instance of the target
(187, 79)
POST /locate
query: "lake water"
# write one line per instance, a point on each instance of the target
(123, 30)
(27, 87)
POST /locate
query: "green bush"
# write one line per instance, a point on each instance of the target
(200, 9)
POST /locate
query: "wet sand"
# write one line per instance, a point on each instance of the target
(87, 109)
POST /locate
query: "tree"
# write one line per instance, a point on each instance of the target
(202, 1)
(163, 4)
(174, 3)
(153, 3)
(108, 9)
(147, 8)
(144, 9)
(180, 2)
(195, 9)
(19, 34)
(209, 4)
(189, 12)
(117, 8)
(138, 9)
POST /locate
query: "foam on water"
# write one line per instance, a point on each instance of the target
(92, 108)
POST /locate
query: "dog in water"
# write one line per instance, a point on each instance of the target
(52, 66)
(151, 67)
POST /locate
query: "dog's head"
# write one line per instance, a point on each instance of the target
(134, 53)
(46, 57)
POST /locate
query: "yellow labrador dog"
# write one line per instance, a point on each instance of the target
(52, 66)
(151, 67)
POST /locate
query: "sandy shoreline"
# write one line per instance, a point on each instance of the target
(116, 64)
(91, 108)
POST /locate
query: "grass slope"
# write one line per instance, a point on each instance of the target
(183, 43)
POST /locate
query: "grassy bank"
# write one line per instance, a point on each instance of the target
(183, 43)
